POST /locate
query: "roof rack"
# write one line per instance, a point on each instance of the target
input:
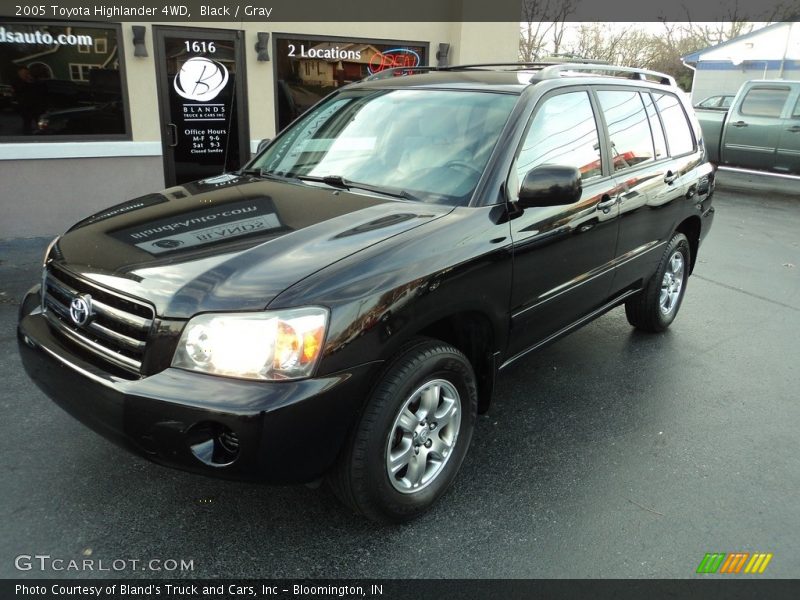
(546, 70)
(554, 71)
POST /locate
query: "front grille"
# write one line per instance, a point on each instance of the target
(118, 328)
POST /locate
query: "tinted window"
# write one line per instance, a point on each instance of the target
(712, 102)
(307, 70)
(655, 127)
(60, 80)
(764, 102)
(433, 144)
(563, 132)
(628, 127)
(679, 133)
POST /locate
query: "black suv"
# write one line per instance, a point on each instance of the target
(341, 306)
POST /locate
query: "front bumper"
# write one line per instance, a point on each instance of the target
(286, 432)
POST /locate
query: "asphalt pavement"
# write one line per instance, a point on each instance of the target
(608, 454)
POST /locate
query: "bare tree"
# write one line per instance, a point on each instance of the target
(542, 28)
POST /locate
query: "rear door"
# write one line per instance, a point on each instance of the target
(789, 144)
(562, 254)
(651, 183)
(754, 127)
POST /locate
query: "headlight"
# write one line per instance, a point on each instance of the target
(270, 345)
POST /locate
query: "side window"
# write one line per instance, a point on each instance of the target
(655, 127)
(726, 101)
(563, 132)
(628, 128)
(676, 126)
(764, 101)
(796, 111)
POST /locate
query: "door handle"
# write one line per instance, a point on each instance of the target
(173, 134)
(670, 177)
(605, 204)
(739, 124)
(794, 129)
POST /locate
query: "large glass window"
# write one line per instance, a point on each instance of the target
(308, 69)
(563, 132)
(679, 133)
(628, 127)
(765, 101)
(60, 80)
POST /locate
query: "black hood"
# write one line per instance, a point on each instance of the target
(231, 242)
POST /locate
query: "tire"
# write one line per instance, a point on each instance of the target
(656, 306)
(399, 460)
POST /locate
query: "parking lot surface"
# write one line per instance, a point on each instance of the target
(608, 454)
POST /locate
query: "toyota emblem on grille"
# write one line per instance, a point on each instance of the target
(80, 309)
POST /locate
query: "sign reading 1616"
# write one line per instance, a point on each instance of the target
(198, 46)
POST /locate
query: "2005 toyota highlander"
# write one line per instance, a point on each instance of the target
(341, 307)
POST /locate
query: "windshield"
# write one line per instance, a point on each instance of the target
(430, 144)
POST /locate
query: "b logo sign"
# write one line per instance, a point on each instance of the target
(201, 79)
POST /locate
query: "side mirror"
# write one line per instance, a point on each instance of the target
(550, 185)
(262, 144)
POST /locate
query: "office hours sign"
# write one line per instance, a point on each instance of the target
(202, 129)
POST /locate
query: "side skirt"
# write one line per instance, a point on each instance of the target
(572, 327)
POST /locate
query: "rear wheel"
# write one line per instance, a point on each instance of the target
(413, 435)
(656, 306)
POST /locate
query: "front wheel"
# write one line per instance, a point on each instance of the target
(412, 436)
(656, 306)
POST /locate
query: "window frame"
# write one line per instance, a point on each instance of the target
(124, 97)
(639, 92)
(689, 124)
(776, 87)
(97, 45)
(599, 126)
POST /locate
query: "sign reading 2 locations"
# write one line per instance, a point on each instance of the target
(310, 69)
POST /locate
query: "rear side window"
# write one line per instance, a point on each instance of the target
(764, 102)
(628, 128)
(655, 127)
(563, 132)
(796, 111)
(676, 126)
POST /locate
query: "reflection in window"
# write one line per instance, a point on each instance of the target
(628, 127)
(764, 102)
(60, 80)
(679, 134)
(655, 127)
(433, 144)
(563, 132)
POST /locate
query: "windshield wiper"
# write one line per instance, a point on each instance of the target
(265, 174)
(340, 182)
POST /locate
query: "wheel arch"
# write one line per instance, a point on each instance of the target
(472, 333)
(690, 227)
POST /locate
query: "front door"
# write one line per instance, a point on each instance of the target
(563, 255)
(202, 102)
(753, 128)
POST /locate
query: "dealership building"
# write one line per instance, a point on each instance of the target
(96, 113)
